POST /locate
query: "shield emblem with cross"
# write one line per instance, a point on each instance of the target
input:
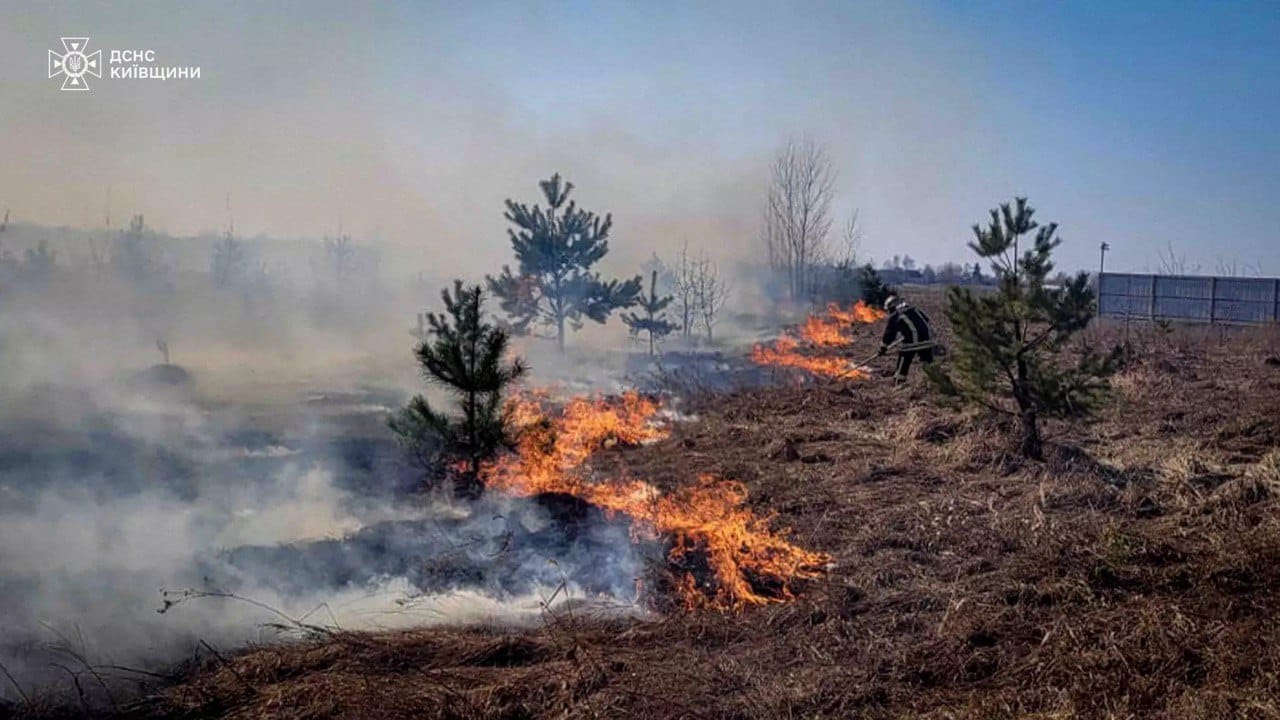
(75, 64)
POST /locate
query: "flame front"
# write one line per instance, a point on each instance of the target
(859, 312)
(707, 519)
(827, 329)
(820, 331)
(823, 332)
(785, 352)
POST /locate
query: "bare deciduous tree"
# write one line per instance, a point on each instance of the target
(951, 273)
(137, 256)
(797, 214)
(850, 242)
(1173, 264)
(340, 254)
(1234, 268)
(710, 292)
(230, 263)
(698, 293)
(685, 291)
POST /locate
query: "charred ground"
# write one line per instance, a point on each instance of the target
(1130, 575)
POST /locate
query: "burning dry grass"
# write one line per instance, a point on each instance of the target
(1133, 574)
(830, 329)
(722, 555)
(785, 352)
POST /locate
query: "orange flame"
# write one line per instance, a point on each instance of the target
(859, 312)
(710, 517)
(784, 352)
(826, 330)
(822, 332)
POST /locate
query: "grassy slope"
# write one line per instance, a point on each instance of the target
(1132, 575)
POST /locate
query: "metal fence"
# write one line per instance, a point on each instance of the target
(1192, 298)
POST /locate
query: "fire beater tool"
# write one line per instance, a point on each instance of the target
(862, 365)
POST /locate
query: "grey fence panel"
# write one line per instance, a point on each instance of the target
(1243, 311)
(1124, 305)
(1112, 284)
(1178, 308)
(1189, 298)
(1184, 287)
(1121, 284)
(1251, 289)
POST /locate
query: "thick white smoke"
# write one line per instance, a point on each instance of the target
(117, 486)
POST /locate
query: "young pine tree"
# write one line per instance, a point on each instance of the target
(874, 289)
(1009, 343)
(465, 355)
(653, 316)
(555, 250)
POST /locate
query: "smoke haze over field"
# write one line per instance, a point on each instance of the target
(113, 492)
(159, 425)
(414, 121)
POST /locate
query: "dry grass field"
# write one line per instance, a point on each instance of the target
(1131, 575)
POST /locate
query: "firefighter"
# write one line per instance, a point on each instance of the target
(911, 325)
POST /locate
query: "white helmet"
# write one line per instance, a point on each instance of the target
(893, 303)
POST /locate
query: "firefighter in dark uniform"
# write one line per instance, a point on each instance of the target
(912, 326)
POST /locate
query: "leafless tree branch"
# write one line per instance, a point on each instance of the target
(850, 241)
(711, 293)
(797, 212)
(1173, 264)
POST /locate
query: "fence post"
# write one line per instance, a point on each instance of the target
(1151, 301)
(1213, 298)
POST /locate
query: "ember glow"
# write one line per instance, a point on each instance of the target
(819, 331)
(706, 524)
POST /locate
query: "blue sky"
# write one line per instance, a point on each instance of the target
(1141, 124)
(1167, 109)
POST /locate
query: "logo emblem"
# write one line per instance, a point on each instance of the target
(74, 64)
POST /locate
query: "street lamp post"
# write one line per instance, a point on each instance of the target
(1102, 262)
